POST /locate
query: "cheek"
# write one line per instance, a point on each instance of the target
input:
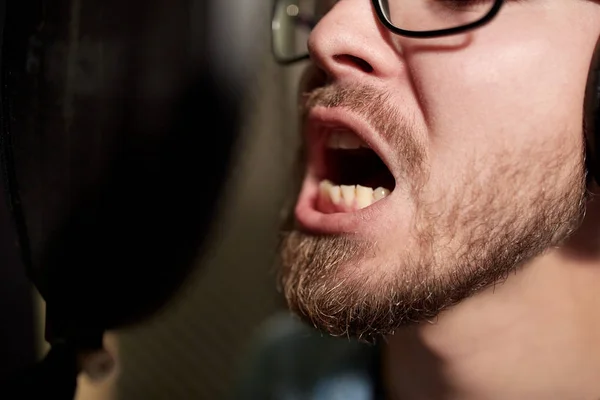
(514, 98)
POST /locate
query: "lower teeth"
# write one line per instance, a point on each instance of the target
(352, 196)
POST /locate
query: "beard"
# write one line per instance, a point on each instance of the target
(466, 240)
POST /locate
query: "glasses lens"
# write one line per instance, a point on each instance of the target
(292, 23)
(434, 15)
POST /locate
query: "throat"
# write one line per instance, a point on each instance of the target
(518, 340)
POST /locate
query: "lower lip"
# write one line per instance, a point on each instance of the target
(318, 222)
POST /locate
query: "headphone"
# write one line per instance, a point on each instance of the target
(591, 122)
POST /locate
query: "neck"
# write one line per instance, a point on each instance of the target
(534, 336)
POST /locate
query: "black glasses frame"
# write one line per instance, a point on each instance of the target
(378, 6)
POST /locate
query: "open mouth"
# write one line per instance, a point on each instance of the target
(352, 176)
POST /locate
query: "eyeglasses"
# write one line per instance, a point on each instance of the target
(293, 20)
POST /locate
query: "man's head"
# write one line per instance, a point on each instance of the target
(474, 161)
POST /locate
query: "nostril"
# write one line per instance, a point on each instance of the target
(354, 61)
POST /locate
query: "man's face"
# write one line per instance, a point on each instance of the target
(471, 161)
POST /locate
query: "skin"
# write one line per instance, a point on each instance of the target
(479, 270)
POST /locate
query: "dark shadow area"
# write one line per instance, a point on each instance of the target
(17, 339)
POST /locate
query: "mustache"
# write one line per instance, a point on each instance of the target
(378, 109)
(363, 100)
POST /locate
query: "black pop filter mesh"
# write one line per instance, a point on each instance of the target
(115, 143)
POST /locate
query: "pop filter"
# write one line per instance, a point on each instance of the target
(115, 143)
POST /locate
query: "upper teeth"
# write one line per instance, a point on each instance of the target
(344, 139)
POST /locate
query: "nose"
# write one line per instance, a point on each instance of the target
(350, 42)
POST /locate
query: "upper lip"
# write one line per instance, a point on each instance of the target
(320, 121)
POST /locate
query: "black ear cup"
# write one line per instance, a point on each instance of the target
(591, 123)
